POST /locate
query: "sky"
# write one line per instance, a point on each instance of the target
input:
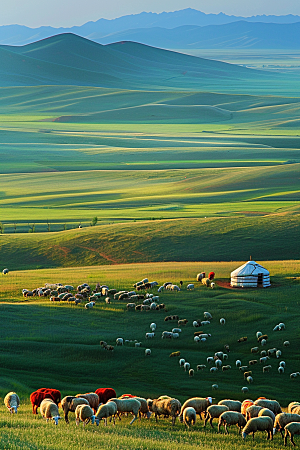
(67, 13)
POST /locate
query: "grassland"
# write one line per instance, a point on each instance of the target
(58, 345)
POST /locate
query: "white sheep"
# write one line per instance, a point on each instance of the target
(281, 369)
(281, 326)
(238, 363)
(228, 418)
(190, 287)
(12, 402)
(213, 369)
(263, 423)
(214, 387)
(249, 379)
(189, 416)
(150, 335)
(218, 363)
(222, 321)
(152, 326)
(282, 364)
(181, 362)
(278, 353)
(186, 366)
(205, 322)
(207, 315)
(119, 341)
(200, 405)
(191, 372)
(212, 285)
(214, 412)
(286, 343)
(49, 410)
(290, 430)
(89, 305)
(109, 410)
(176, 330)
(210, 359)
(137, 344)
(175, 335)
(85, 414)
(258, 334)
(244, 389)
(147, 352)
(128, 405)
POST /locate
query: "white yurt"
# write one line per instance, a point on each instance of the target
(251, 274)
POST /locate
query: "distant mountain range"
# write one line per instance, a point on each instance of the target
(68, 59)
(187, 28)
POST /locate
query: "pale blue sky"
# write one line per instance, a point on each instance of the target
(66, 13)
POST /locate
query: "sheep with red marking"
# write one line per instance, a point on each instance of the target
(38, 396)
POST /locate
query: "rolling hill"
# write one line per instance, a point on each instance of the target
(68, 59)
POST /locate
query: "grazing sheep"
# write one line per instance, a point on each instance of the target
(49, 410)
(205, 281)
(218, 363)
(252, 362)
(233, 405)
(12, 402)
(290, 430)
(258, 334)
(207, 315)
(228, 418)
(213, 369)
(189, 416)
(166, 335)
(186, 366)
(273, 405)
(244, 389)
(152, 326)
(119, 341)
(286, 343)
(70, 403)
(131, 306)
(294, 406)
(278, 353)
(282, 364)
(200, 276)
(214, 412)
(166, 407)
(254, 350)
(182, 322)
(181, 362)
(250, 379)
(263, 423)
(190, 287)
(263, 359)
(174, 354)
(201, 366)
(175, 335)
(267, 412)
(246, 403)
(280, 369)
(253, 411)
(210, 359)
(212, 285)
(92, 398)
(222, 321)
(243, 339)
(294, 375)
(128, 405)
(147, 352)
(176, 330)
(109, 410)
(85, 414)
(282, 419)
(267, 368)
(238, 363)
(191, 372)
(200, 405)
(247, 374)
(137, 344)
(5, 271)
(150, 335)
(89, 305)
(214, 387)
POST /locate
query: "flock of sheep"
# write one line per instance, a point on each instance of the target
(249, 416)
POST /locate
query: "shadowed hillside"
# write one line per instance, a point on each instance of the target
(68, 59)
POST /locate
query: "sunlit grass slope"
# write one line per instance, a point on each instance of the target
(57, 345)
(221, 239)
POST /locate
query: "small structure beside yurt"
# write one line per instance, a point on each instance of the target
(251, 274)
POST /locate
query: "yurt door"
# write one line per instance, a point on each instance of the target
(260, 279)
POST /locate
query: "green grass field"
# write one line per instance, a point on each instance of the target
(58, 345)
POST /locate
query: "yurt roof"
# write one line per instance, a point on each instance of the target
(249, 268)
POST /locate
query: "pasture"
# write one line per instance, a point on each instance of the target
(58, 345)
